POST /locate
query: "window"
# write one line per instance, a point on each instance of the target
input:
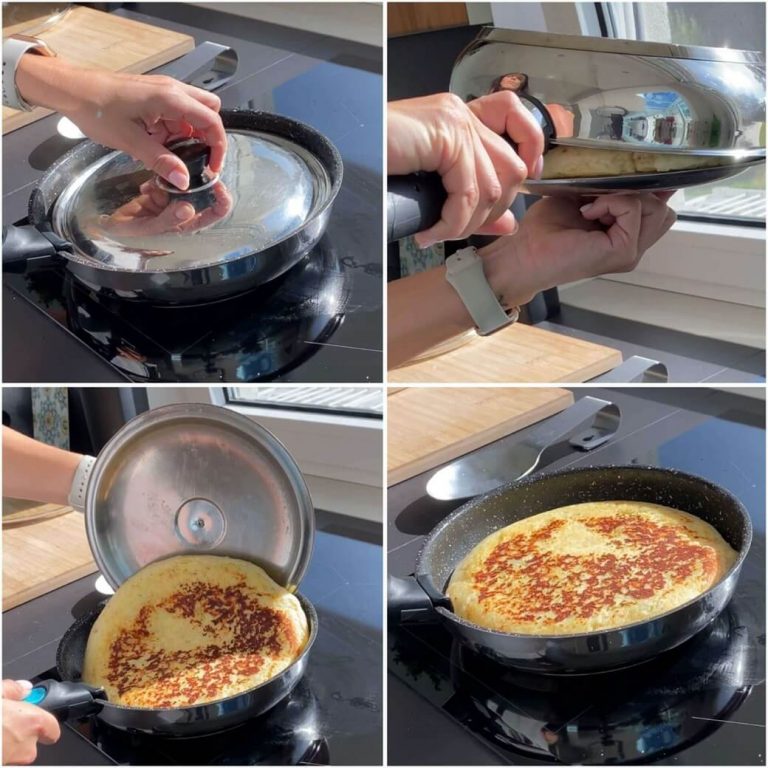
(335, 434)
(740, 199)
(350, 401)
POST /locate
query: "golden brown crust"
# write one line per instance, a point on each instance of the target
(192, 629)
(588, 567)
(582, 162)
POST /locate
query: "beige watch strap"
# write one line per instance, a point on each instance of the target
(464, 271)
(14, 47)
(78, 491)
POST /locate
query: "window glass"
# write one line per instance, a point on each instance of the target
(723, 25)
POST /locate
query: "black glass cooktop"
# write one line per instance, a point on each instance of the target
(321, 321)
(265, 334)
(334, 715)
(700, 704)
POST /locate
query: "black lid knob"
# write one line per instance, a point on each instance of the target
(195, 156)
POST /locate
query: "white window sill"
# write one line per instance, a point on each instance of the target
(734, 323)
(725, 263)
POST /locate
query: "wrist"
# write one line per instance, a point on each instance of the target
(502, 263)
(47, 82)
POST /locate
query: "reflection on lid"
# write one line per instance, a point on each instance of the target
(118, 214)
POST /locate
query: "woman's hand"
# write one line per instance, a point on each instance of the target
(464, 143)
(24, 725)
(561, 240)
(137, 114)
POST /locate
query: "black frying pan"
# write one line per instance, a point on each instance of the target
(72, 699)
(421, 597)
(188, 286)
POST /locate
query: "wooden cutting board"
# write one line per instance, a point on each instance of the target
(516, 354)
(23, 512)
(429, 426)
(41, 556)
(94, 39)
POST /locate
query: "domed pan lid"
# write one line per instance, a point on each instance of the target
(278, 176)
(194, 478)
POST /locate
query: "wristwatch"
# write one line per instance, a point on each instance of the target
(464, 271)
(14, 47)
(77, 493)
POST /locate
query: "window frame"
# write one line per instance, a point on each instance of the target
(302, 407)
(727, 259)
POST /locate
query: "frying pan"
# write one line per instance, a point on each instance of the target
(208, 280)
(604, 93)
(422, 597)
(71, 699)
(415, 202)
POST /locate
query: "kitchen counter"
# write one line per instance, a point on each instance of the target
(335, 714)
(719, 436)
(332, 84)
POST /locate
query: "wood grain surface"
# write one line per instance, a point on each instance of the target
(407, 18)
(428, 426)
(514, 355)
(41, 556)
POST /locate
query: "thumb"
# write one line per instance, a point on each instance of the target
(16, 689)
(156, 157)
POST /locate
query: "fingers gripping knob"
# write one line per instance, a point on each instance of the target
(195, 155)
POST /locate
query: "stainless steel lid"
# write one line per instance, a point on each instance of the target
(193, 478)
(623, 94)
(121, 215)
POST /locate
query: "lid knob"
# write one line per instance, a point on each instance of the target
(195, 156)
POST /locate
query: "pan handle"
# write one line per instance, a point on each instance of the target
(413, 600)
(407, 602)
(66, 701)
(414, 203)
(27, 242)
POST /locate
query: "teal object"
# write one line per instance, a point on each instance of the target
(36, 695)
